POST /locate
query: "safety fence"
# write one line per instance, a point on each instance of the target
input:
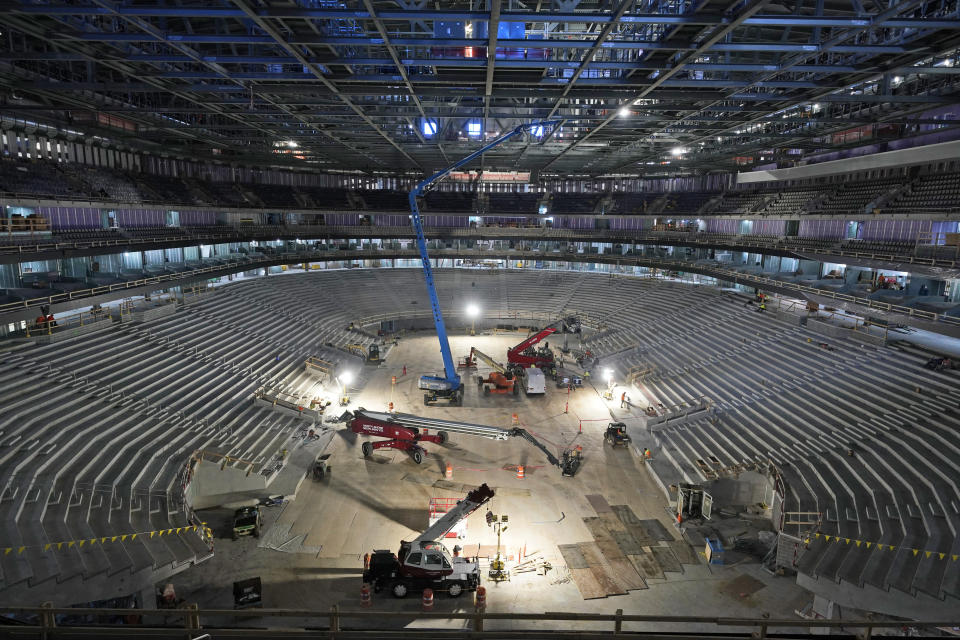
(374, 623)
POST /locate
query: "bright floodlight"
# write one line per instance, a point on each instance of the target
(608, 374)
(624, 112)
(473, 310)
(676, 151)
(346, 378)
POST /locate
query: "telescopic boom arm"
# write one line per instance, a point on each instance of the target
(451, 381)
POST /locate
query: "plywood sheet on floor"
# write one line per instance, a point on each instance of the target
(684, 552)
(625, 514)
(620, 568)
(611, 521)
(601, 569)
(666, 559)
(589, 588)
(646, 565)
(627, 543)
(655, 530)
(573, 557)
(631, 523)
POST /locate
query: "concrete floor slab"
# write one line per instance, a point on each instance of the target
(374, 503)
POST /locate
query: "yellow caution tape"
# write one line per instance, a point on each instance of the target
(869, 545)
(47, 546)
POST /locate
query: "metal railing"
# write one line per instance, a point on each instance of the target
(369, 623)
(239, 233)
(253, 262)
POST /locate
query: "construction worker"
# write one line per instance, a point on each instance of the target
(623, 399)
(646, 453)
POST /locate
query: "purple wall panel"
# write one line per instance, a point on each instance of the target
(626, 224)
(715, 225)
(768, 227)
(198, 218)
(446, 221)
(821, 228)
(133, 218)
(495, 220)
(71, 217)
(890, 229)
(341, 219)
(391, 220)
(570, 222)
(928, 138)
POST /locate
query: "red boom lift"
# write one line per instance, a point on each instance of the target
(406, 432)
(527, 355)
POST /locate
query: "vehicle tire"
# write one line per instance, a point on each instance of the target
(442, 435)
(426, 400)
(366, 448)
(256, 532)
(417, 457)
(455, 590)
(400, 589)
(486, 391)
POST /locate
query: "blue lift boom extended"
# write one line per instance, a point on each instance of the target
(449, 386)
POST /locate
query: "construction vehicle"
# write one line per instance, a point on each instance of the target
(501, 380)
(570, 461)
(424, 562)
(246, 522)
(526, 354)
(616, 435)
(321, 467)
(407, 433)
(373, 354)
(449, 387)
(535, 382)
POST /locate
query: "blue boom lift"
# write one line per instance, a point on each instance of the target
(449, 386)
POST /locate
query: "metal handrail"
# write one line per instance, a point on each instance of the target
(191, 617)
(674, 265)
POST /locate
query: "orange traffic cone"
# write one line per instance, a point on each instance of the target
(520, 472)
(449, 471)
(365, 600)
(427, 604)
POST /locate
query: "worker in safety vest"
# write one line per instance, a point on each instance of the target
(623, 399)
